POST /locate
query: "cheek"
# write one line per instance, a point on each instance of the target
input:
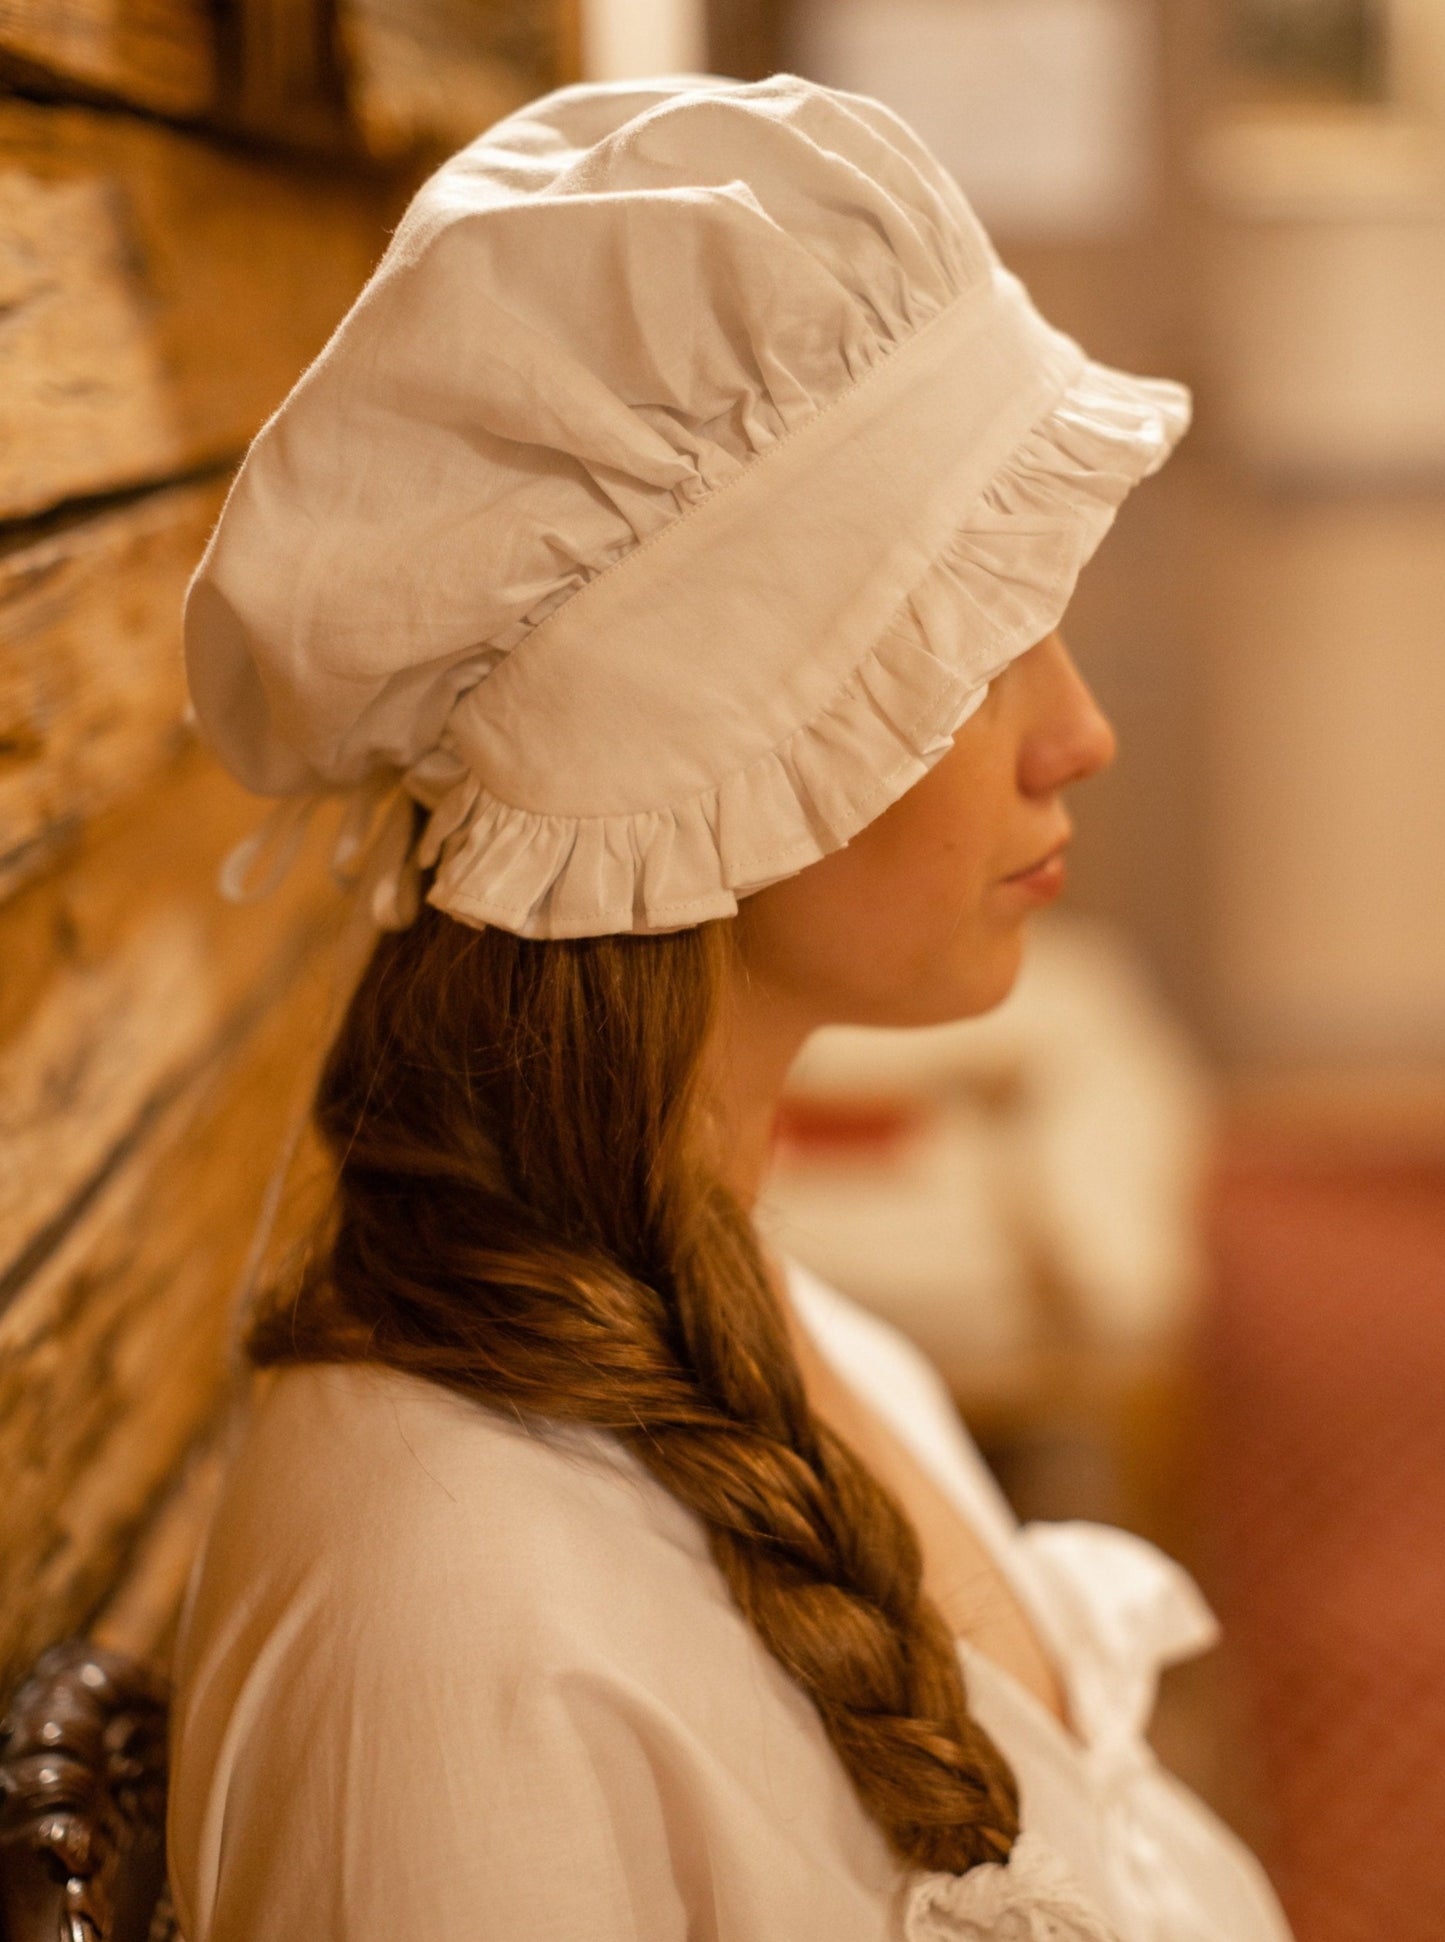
(897, 928)
(950, 951)
(926, 866)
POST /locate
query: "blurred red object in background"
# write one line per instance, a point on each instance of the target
(808, 1128)
(1322, 1489)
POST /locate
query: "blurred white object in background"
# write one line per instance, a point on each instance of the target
(626, 38)
(1324, 686)
(1026, 1177)
(1044, 110)
(1327, 329)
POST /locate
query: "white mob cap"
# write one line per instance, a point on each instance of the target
(663, 504)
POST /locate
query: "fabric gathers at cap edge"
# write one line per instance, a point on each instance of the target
(861, 715)
(989, 595)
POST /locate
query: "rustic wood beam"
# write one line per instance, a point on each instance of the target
(124, 971)
(92, 685)
(156, 1046)
(434, 73)
(378, 77)
(117, 1350)
(160, 296)
(156, 54)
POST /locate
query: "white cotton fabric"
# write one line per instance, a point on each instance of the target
(666, 501)
(443, 1675)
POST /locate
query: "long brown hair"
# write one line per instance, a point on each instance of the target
(525, 1211)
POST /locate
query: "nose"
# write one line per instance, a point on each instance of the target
(1069, 737)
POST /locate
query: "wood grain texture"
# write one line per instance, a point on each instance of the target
(159, 296)
(149, 1089)
(391, 79)
(124, 971)
(116, 1352)
(158, 54)
(315, 76)
(92, 683)
(283, 79)
(435, 73)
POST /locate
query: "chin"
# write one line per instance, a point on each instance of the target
(1008, 964)
(965, 984)
(986, 967)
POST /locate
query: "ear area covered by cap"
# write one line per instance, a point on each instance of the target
(665, 503)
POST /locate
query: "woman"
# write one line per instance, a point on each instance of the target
(683, 517)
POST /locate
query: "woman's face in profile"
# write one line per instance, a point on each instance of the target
(920, 918)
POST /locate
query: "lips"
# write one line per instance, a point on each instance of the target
(1039, 862)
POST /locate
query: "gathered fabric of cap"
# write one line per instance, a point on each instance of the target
(663, 505)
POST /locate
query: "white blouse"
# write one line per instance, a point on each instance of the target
(441, 1674)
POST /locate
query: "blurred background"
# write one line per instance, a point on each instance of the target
(1172, 1220)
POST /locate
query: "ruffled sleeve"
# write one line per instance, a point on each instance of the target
(1122, 1610)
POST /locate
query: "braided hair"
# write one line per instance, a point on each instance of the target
(525, 1212)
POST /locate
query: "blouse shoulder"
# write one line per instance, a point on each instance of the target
(481, 1637)
(1124, 1609)
(365, 1488)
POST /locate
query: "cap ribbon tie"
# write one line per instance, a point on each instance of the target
(372, 854)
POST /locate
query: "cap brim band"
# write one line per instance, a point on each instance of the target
(727, 663)
(948, 540)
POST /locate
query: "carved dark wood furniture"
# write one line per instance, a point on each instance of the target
(82, 1801)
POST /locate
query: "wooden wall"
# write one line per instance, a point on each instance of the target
(190, 196)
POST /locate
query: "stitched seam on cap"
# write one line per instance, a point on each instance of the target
(982, 654)
(749, 468)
